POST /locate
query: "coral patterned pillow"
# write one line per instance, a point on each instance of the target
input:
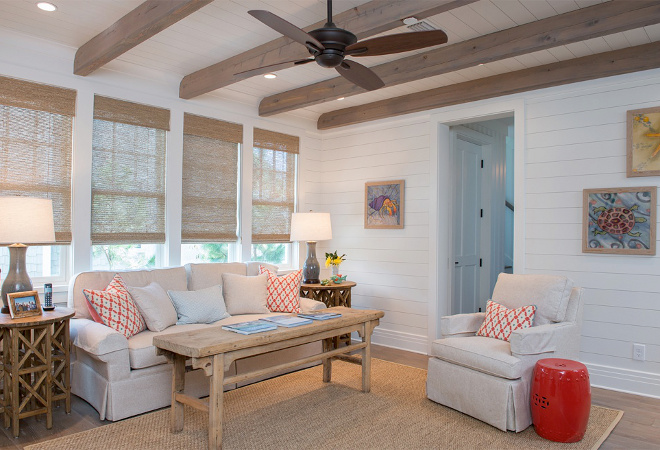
(116, 308)
(501, 321)
(284, 291)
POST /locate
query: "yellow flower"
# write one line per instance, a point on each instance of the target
(328, 261)
(337, 261)
(646, 119)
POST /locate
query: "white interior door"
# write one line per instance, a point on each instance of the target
(467, 226)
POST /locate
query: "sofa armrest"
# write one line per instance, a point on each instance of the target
(545, 338)
(96, 338)
(460, 325)
(309, 305)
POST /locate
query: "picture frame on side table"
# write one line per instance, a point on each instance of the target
(619, 220)
(384, 204)
(643, 135)
(24, 304)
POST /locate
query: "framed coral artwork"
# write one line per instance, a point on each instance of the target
(383, 204)
(619, 220)
(643, 155)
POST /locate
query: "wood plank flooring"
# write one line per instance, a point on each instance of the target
(638, 430)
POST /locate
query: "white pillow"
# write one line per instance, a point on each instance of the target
(154, 305)
(202, 306)
(245, 295)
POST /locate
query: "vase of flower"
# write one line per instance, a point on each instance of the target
(333, 260)
(335, 270)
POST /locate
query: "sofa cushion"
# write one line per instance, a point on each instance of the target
(549, 293)
(501, 321)
(245, 295)
(487, 355)
(154, 305)
(116, 308)
(204, 275)
(283, 291)
(202, 306)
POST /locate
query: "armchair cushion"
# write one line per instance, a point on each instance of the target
(549, 293)
(461, 324)
(484, 354)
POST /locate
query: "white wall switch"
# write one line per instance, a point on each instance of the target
(639, 352)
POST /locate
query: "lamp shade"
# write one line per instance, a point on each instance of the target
(26, 220)
(311, 227)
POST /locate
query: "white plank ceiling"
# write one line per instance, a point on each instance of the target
(224, 29)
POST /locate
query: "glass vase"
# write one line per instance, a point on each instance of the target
(335, 270)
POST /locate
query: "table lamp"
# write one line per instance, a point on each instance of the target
(23, 220)
(311, 227)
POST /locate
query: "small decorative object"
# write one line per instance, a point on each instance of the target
(643, 155)
(24, 304)
(326, 282)
(48, 297)
(331, 259)
(383, 204)
(338, 279)
(619, 220)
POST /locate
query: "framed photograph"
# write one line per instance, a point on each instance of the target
(24, 304)
(383, 204)
(619, 220)
(643, 155)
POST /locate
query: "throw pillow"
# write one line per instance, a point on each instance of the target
(116, 308)
(245, 295)
(202, 306)
(284, 291)
(501, 321)
(154, 305)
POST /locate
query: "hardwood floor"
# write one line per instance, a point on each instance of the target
(638, 430)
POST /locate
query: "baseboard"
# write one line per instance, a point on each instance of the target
(624, 380)
(396, 339)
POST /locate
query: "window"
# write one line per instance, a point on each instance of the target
(207, 252)
(128, 183)
(36, 127)
(275, 158)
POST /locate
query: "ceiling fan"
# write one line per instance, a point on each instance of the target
(330, 45)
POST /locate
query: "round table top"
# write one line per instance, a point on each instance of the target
(342, 285)
(46, 317)
(561, 365)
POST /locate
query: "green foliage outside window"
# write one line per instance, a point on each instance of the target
(271, 253)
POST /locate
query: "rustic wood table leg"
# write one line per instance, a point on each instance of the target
(48, 351)
(14, 387)
(178, 384)
(67, 366)
(328, 344)
(6, 346)
(215, 402)
(366, 357)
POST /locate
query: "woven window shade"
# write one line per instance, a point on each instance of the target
(128, 177)
(36, 124)
(273, 186)
(129, 113)
(210, 180)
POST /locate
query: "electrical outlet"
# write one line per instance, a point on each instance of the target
(639, 352)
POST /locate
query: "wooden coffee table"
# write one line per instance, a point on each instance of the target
(214, 350)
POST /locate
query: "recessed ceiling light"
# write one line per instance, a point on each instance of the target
(270, 76)
(46, 6)
(341, 98)
(410, 20)
(481, 64)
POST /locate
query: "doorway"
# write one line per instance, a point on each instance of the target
(482, 210)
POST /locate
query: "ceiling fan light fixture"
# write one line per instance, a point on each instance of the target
(270, 76)
(45, 6)
(410, 21)
(340, 98)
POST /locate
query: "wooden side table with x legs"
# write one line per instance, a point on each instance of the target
(334, 294)
(35, 356)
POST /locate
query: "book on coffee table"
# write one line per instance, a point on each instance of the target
(287, 321)
(254, 326)
(319, 315)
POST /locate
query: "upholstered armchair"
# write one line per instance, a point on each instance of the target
(490, 379)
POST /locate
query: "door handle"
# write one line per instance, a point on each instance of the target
(455, 262)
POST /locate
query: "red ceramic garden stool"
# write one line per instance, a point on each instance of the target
(561, 399)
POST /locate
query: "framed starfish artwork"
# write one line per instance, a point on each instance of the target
(619, 220)
(643, 155)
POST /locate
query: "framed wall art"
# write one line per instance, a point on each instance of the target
(24, 304)
(619, 220)
(383, 204)
(643, 154)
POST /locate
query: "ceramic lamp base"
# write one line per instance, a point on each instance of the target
(17, 279)
(311, 268)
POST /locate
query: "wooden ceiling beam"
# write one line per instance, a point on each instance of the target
(587, 23)
(607, 64)
(364, 21)
(148, 19)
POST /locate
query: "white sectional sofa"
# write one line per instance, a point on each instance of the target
(123, 377)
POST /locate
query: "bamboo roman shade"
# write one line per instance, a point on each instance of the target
(210, 180)
(128, 172)
(273, 185)
(36, 126)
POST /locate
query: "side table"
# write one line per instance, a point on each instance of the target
(35, 356)
(332, 295)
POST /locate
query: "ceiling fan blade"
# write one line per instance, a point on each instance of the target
(397, 43)
(358, 74)
(287, 29)
(273, 67)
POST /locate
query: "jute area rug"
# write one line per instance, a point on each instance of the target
(299, 411)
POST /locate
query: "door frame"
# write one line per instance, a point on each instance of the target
(440, 215)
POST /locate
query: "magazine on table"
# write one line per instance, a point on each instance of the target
(287, 321)
(255, 326)
(319, 315)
